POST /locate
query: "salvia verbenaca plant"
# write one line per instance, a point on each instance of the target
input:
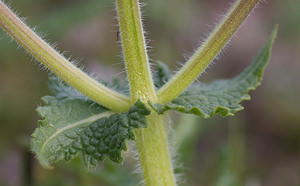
(95, 119)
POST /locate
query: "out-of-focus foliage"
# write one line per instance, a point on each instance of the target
(264, 151)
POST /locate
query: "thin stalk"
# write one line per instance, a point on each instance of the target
(58, 64)
(208, 51)
(152, 141)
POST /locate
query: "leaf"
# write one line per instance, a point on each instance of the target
(162, 75)
(221, 96)
(62, 92)
(74, 126)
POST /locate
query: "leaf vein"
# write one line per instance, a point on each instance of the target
(78, 123)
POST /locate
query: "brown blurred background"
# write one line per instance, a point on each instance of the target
(260, 146)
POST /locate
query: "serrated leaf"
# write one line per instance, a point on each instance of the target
(77, 126)
(74, 124)
(221, 96)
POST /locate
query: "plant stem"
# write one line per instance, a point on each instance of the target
(58, 64)
(208, 51)
(153, 152)
(134, 49)
(152, 141)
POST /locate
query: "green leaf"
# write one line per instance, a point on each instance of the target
(221, 96)
(73, 125)
(162, 75)
(62, 92)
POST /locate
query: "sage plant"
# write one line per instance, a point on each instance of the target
(95, 119)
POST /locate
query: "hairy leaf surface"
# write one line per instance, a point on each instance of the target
(221, 96)
(75, 125)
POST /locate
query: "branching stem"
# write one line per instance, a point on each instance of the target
(151, 141)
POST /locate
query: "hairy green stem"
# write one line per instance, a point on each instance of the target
(153, 152)
(208, 51)
(58, 64)
(134, 49)
(152, 141)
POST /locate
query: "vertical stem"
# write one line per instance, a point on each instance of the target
(152, 141)
(134, 49)
(153, 152)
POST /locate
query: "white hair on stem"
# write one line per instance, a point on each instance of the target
(42, 36)
(173, 152)
(211, 28)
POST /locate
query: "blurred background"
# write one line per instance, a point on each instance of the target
(260, 146)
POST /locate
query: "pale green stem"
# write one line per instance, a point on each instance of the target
(151, 141)
(134, 49)
(58, 64)
(153, 152)
(208, 51)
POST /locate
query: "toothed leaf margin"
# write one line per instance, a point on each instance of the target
(221, 97)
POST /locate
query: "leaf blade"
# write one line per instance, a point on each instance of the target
(221, 96)
(71, 124)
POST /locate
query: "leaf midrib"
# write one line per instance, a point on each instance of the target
(73, 125)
